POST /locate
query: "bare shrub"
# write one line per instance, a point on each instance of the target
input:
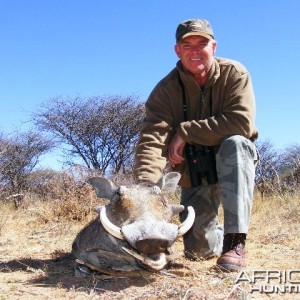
(278, 172)
(267, 179)
(290, 169)
(19, 156)
(69, 191)
(99, 131)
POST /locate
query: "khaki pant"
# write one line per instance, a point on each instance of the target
(235, 162)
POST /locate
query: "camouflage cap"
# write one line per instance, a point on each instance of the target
(194, 27)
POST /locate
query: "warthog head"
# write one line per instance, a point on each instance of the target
(134, 229)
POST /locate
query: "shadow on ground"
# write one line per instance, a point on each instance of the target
(59, 272)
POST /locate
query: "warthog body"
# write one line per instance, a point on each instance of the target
(133, 230)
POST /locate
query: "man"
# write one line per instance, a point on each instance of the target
(205, 104)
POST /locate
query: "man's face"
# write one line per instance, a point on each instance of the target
(196, 53)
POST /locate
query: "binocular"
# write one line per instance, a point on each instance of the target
(202, 164)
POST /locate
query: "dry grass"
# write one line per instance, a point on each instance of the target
(34, 240)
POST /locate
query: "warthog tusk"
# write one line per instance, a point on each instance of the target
(188, 222)
(116, 231)
(148, 261)
(109, 226)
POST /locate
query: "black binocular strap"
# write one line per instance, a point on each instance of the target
(184, 104)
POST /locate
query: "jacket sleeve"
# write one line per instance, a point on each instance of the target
(151, 150)
(234, 116)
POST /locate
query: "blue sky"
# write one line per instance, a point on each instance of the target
(67, 48)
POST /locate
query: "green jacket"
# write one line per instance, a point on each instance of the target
(229, 89)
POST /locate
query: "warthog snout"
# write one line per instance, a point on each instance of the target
(152, 245)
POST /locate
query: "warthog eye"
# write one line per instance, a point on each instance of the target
(120, 191)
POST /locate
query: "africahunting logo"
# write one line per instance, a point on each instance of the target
(270, 281)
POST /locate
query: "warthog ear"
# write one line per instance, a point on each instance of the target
(169, 181)
(103, 187)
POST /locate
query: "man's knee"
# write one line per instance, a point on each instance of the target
(232, 143)
(236, 145)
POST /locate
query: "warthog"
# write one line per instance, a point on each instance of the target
(133, 231)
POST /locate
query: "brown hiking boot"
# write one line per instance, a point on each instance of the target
(233, 255)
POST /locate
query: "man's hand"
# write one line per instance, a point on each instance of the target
(176, 148)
